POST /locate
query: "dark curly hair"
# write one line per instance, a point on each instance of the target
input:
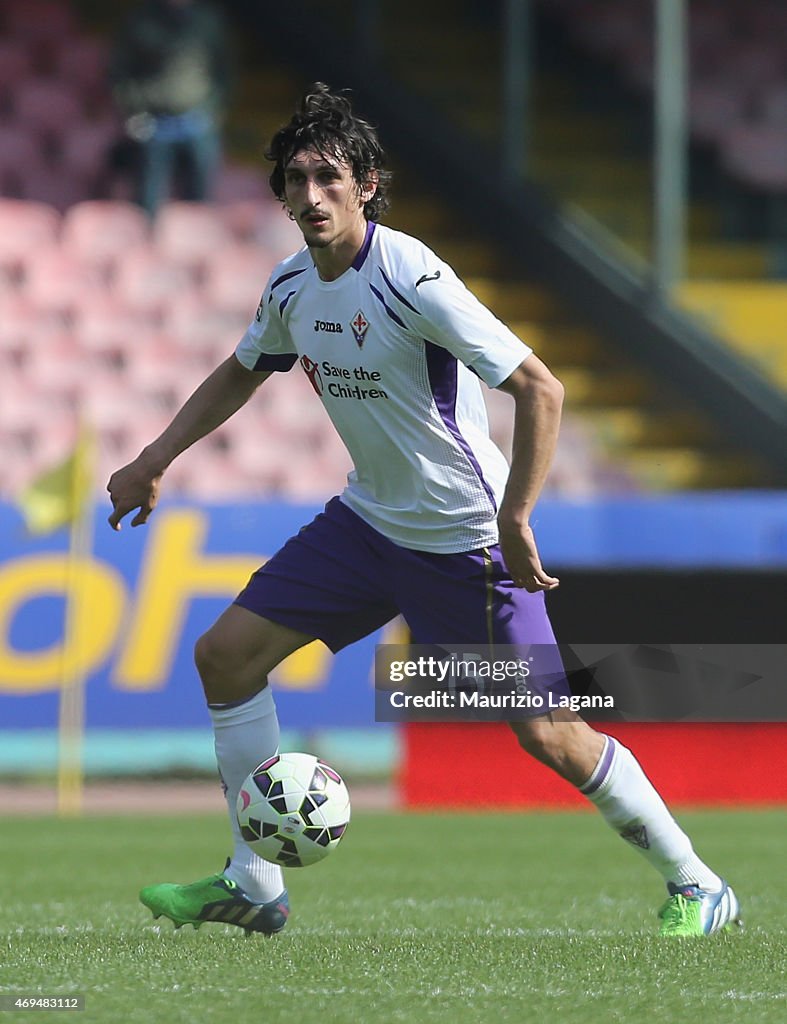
(324, 121)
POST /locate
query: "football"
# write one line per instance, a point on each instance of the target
(293, 809)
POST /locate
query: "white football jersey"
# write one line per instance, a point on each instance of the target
(394, 349)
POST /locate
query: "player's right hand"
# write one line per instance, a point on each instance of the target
(135, 486)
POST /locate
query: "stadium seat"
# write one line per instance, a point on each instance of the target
(55, 281)
(48, 106)
(262, 223)
(104, 230)
(249, 219)
(39, 20)
(189, 233)
(108, 404)
(85, 149)
(49, 184)
(235, 278)
(312, 479)
(33, 444)
(55, 366)
(84, 61)
(106, 328)
(25, 227)
(205, 474)
(146, 280)
(206, 331)
(22, 325)
(15, 64)
(156, 364)
(20, 148)
(234, 183)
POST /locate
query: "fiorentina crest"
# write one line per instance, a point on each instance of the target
(359, 325)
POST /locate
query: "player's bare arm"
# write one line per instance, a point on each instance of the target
(538, 397)
(136, 486)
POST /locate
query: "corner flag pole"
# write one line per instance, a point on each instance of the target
(71, 716)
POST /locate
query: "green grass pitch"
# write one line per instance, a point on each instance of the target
(461, 919)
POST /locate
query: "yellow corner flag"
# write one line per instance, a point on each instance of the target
(57, 496)
(63, 496)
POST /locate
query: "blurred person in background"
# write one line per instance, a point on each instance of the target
(170, 72)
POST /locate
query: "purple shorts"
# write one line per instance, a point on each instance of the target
(339, 580)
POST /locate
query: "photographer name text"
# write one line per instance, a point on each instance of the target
(484, 701)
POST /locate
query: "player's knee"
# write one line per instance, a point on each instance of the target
(214, 659)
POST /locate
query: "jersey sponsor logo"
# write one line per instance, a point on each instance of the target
(346, 382)
(260, 310)
(329, 326)
(359, 325)
(312, 371)
(427, 277)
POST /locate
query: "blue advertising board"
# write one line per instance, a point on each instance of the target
(143, 596)
(139, 602)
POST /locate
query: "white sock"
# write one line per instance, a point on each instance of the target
(628, 802)
(245, 735)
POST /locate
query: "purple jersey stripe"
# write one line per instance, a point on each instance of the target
(363, 252)
(394, 316)
(286, 277)
(282, 362)
(398, 294)
(443, 380)
(283, 303)
(602, 769)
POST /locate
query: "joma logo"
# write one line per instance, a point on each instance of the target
(327, 325)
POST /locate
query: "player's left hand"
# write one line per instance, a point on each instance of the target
(518, 545)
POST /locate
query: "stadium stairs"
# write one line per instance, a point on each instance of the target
(644, 413)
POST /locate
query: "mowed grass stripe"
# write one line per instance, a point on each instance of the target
(416, 918)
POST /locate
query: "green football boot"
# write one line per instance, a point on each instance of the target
(692, 911)
(215, 898)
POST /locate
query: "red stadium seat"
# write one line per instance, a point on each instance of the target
(26, 226)
(156, 364)
(251, 219)
(189, 232)
(20, 149)
(235, 183)
(22, 324)
(235, 278)
(85, 149)
(15, 64)
(49, 106)
(205, 474)
(208, 332)
(146, 280)
(39, 20)
(50, 185)
(56, 281)
(84, 61)
(54, 366)
(104, 230)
